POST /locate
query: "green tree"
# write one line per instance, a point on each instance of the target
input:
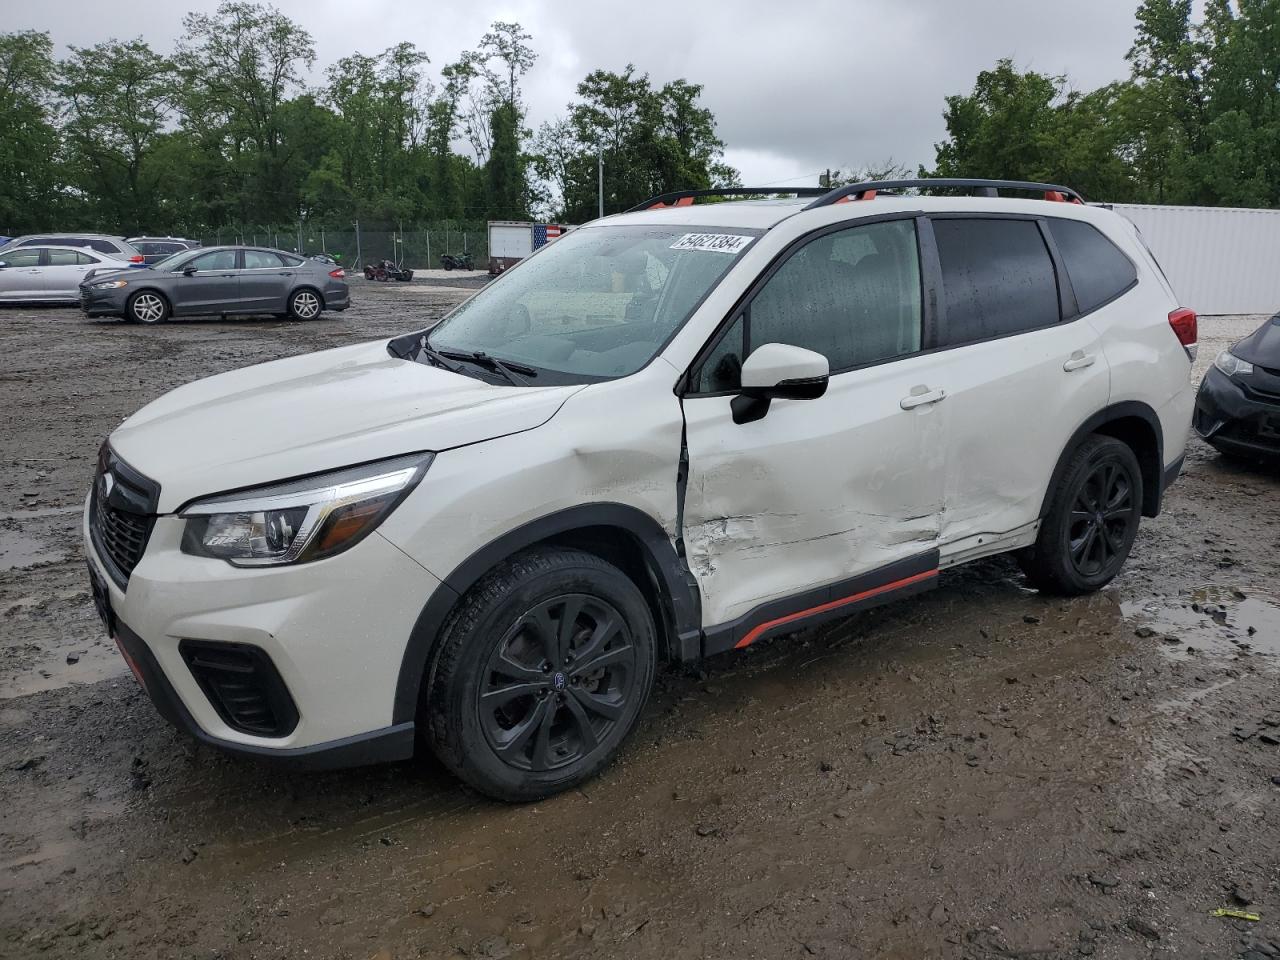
(652, 141)
(30, 175)
(239, 65)
(118, 100)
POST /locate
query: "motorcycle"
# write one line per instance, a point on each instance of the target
(453, 261)
(385, 270)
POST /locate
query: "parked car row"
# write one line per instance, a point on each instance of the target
(149, 279)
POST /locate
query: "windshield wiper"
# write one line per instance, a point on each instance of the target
(511, 371)
(436, 357)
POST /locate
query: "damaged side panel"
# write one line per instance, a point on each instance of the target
(816, 492)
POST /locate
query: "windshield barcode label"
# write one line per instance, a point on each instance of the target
(730, 243)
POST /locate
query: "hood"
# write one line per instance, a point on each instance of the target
(316, 412)
(1262, 347)
(104, 272)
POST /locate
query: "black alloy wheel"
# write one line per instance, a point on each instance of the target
(542, 671)
(1091, 522)
(557, 683)
(1101, 518)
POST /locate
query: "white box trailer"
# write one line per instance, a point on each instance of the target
(510, 241)
(1218, 259)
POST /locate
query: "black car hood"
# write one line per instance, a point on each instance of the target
(1262, 347)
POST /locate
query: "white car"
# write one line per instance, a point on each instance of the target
(667, 435)
(49, 274)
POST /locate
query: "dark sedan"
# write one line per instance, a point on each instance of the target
(217, 280)
(1238, 406)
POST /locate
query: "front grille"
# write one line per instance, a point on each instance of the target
(243, 685)
(122, 536)
(122, 506)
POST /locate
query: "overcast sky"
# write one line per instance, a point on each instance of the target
(795, 87)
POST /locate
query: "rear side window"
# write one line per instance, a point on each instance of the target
(261, 260)
(65, 258)
(103, 246)
(997, 276)
(1099, 271)
(292, 261)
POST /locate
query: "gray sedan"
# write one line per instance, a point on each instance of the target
(49, 274)
(217, 280)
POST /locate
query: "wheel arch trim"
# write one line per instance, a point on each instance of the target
(676, 587)
(1153, 475)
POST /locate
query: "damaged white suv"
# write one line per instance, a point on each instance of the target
(666, 435)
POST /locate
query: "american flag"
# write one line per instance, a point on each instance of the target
(544, 233)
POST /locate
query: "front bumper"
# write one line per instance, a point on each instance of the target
(334, 631)
(103, 303)
(1235, 419)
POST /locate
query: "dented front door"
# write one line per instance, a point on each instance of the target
(816, 492)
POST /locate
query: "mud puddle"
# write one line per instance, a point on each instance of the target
(18, 551)
(1214, 619)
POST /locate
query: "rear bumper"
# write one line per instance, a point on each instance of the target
(1231, 420)
(337, 296)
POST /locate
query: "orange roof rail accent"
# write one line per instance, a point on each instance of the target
(684, 202)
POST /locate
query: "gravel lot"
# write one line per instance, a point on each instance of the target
(979, 772)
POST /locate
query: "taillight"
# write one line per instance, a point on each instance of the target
(339, 273)
(137, 258)
(1184, 326)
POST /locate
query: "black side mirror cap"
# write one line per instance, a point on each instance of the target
(188, 271)
(753, 402)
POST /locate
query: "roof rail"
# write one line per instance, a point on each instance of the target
(981, 188)
(685, 198)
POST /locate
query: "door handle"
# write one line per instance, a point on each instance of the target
(921, 395)
(1079, 360)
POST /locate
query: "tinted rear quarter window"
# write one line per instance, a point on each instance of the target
(997, 277)
(1098, 270)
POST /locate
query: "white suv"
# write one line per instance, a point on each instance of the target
(666, 435)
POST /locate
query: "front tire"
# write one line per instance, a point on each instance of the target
(543, 670)
(147, 307)
(304, 304)
(1092, 521)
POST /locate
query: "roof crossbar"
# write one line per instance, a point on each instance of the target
(980, 188)
(685, 198)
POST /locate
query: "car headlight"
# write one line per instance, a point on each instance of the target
(300, 520)
(110, 284)
(1232, 365)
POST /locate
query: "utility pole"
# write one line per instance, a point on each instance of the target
(359, 260)
(600, 172)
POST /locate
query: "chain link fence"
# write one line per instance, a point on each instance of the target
(414, 245)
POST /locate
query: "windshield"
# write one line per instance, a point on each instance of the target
(596, 304)
(175, 261)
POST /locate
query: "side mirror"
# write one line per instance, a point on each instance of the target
(189, 271)
(778, 371)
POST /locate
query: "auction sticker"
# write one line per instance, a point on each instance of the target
(730, 243)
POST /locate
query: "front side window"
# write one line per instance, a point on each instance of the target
(21, 258)
(598, 303)
(217, 260)
(1098, 270)
(852, 296)
(997, 277)
(261, 260)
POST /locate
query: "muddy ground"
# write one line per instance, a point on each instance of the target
(980, 772)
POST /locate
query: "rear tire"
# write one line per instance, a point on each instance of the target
(543, 670)
(147, 307)
(1092, 521)
(305, 304)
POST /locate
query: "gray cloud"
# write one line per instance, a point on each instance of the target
(795, 87)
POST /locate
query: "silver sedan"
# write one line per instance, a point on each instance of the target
(47, 273)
